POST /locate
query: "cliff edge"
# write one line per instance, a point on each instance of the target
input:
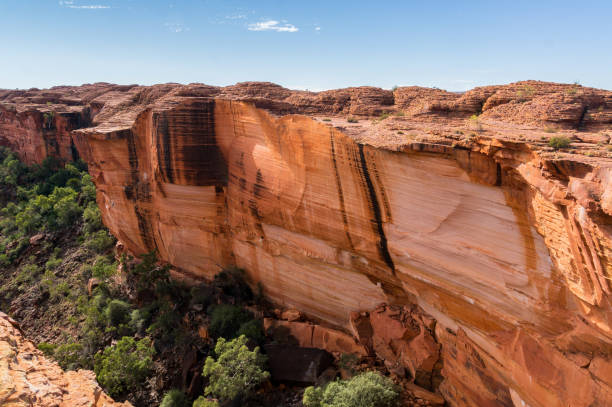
(443, 231)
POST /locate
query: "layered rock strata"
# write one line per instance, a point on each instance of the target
(27, 378)
(489, 251)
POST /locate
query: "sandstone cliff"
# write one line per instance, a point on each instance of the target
(490, 251)
(27, 378)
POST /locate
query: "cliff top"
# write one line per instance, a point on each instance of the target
(530, 112)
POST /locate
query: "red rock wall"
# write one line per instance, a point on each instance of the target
(494, 261)
(36, 135)
(512, 270)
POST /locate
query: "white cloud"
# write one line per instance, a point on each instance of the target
(176, 27)
(273, 25)
(70, 4)
(236, 17)
(317, 28)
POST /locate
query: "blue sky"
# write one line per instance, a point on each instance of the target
(308, 44)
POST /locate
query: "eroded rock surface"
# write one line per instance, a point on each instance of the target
(27, 378)
(489, 251)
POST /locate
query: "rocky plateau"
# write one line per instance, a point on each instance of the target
(438, 231)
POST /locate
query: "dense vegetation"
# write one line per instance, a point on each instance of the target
(129, 325)
(364, 390)
(236, 371)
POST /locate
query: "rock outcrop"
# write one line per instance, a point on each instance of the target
(440, 230)
(27, 378)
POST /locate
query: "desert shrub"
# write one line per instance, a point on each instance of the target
(165, 322)
(118, 312)
(69, 356)
(47, 348)
(226, 320)
(204, 402)
(202, 294)
(365, 390)
(54, 287)
(148, 276)
(120, 368)
(138, 320)
(28, 274)
(559, 142)
(175, 398)
(252, 329)
(236, 371)
(475, 123)
(65, 207)
(232, 283)
(53, 263)
(92, 218)
(352, 120)
(103, 268)
(88, 188)
(99, 241)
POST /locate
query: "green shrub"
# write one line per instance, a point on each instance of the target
(120, 368)
(103, 268)
(559, 142)
(204, 402)
(47, 348)
(236, 371)
(92, 218)
(88, 189)
(65, 206)
(138, 320)
(232, 283)
(252, 329)
(53, 263)
(99, 241)
(118, 312)
(226, 320)
(165, 323)
(175, 398)
(69, 356)
(365, 390)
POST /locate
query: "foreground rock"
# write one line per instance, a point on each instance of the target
(27, 378)
(491, 252)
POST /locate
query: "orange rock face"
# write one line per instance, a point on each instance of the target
(491, 252)
(27, 378)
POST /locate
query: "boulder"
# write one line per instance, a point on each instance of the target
(296, 364)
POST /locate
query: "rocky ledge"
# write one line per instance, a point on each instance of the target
(442, 232)
(28, 378)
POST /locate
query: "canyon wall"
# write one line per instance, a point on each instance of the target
(463, 252)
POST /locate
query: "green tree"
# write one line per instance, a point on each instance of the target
(175, 398)
(226, 320)
(122, 367)
(368, 389)
(236, 371)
